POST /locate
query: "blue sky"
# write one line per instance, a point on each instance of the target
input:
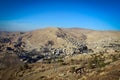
(25, 15)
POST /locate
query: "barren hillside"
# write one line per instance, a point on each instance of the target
(60, 54)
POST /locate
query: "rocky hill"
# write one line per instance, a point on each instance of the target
(40, 52)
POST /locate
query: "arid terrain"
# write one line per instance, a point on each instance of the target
(60, 54)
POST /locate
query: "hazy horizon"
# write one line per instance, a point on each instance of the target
(27, 15)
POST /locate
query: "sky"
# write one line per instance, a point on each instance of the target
(27, 15)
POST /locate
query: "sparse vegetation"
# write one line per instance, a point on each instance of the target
(72, 69)
(24, 66)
